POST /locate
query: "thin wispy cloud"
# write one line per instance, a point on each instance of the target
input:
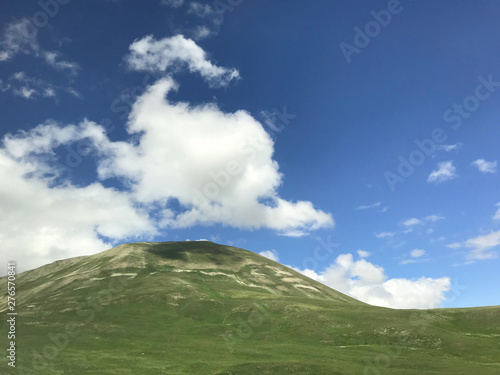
(367, 207)
(54, 60)
(21, 37)
(411, 222)
(483, 246)
(417, 253)
(497, 213)
(448, 148)
(434, 217)
(384, 234)
(172, 3)
(414, 254)
(24, 86)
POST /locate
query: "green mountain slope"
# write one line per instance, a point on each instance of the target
(203, 308)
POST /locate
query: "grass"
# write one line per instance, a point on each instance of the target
(203, 308)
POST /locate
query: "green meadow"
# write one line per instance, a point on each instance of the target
(204, 308)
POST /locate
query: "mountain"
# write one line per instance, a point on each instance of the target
(204, 308)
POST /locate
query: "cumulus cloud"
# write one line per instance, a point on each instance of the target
(214, 167)
(169, 54)
(42, 221)
(218, 165)
(369, 283)
(485, 166)
(271, 254)
(384, 235)
(445, 171)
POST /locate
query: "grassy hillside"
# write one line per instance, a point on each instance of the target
(203, 308)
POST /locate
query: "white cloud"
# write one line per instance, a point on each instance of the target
(445, 171)
(417, 253)
(168, 54)
(172, 3)
(374, 205)
(363, 253)
(271, 254)
(411, 222)
(201, 32)
(485, 166)
(4, 86)
(216, 166)
(368, 283)
(497, 214)
(52, 58)
(224, 171)
(448, 148)
(207, 12)
(482, 246)
(30, 88)
(455, 245)
(408, 261)
(19, 36)
(40, 222)
(434, 217)
(384, 235)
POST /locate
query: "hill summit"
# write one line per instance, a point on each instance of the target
(203, 308)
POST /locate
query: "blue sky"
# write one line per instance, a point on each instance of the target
(355, 141)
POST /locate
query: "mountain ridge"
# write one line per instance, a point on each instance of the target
(204, 308)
